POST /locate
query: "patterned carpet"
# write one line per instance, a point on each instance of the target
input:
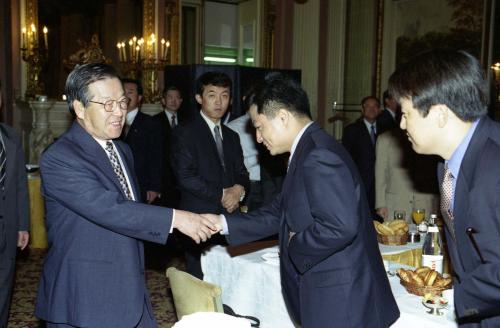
(29, 266)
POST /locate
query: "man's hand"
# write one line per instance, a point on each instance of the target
(215, 219)
(23, 237)
(231, 198)
(194, 225)
(151, 196)
(382, 211)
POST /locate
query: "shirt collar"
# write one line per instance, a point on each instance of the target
(131, 116)
(297, 139)
(369, 125)
(210, 123)
(393, 114)
(456, 159)
(170, 114)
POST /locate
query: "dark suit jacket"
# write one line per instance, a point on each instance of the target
(198, 169)
(170, 193)
(357, 141)
(477, 205)
(386, 122)
(93, 275)
(14, 201)
(331, 270)
(146, 143)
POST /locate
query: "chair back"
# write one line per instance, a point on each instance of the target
(192, 294)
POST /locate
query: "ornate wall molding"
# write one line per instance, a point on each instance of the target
(268, 33)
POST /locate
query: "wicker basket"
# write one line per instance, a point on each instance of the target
(422, 290)
(392, 240)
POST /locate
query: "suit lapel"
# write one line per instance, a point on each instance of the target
(128, 170)
(95, 153)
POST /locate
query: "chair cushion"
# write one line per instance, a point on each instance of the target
(192, 294)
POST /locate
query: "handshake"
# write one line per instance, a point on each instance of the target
(198, 227)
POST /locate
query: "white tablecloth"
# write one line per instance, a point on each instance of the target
(390, 250)
(251, 286)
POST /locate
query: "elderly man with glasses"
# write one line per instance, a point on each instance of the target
(93, 275)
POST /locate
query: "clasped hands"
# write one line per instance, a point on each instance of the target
(197, 227)
(231, 197)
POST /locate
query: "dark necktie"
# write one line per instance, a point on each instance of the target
(372, 133)
(3, 162)
(218, 143)
(174, 122)
(115, 163)
(446, 199)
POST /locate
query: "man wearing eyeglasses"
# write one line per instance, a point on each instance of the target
(93, 275)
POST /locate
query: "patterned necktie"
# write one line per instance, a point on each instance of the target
(174, 122)
(115, 163)
(3, 162)
(447, 197)
(218, 143)
(372, 133)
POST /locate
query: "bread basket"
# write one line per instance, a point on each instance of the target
(393, 240)
(422, 290)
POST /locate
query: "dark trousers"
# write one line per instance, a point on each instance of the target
(147, 321)
(7, 268)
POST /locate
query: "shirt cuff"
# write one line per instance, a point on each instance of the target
(173, 219)
(223, 221)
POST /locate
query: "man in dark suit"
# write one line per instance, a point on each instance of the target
(14, 211)
(444, 100)
(390, 116)
(207, 159)
(359, 139)
(331, 268)
(143, 136)
(93, 275)
(169, 119)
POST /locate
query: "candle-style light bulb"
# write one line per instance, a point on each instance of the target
(45, 37)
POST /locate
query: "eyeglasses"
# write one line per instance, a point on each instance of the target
(108, 105)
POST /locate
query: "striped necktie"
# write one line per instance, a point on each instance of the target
(3, 163)
(115, 163)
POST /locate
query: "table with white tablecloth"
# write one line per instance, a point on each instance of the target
(250, 283)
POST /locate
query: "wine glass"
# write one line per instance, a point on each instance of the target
(418, 215)
(400, 215)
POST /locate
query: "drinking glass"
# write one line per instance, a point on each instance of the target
(399, 215)
(418, 215)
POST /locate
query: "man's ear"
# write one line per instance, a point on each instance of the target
(79, 109)
(442, 113)
(198, 98)
(284, 116)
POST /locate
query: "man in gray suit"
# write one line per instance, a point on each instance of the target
(14, 211)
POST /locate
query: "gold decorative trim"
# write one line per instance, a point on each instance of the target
(173, 21)
(379, 43)
(268, 33)
(148, 19)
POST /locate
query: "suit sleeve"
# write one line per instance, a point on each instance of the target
(185, 161)
(22, 189)
(68, 181)
(333, 200)
(258, 224)
(381, 171)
